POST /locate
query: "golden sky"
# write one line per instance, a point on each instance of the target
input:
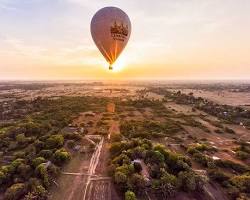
(205, 39)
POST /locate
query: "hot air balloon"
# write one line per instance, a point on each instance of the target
(110, 30)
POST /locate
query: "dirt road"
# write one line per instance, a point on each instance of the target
(100, 187)
(91, 171)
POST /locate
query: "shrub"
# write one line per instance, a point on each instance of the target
(37, 161)
(229, 130)
(168, 184)
(189, 181)
(242, 182)
(46, 154)
(42, 173)
(154, 157)
(242, 155)
(61, 156)
(120, 178)
(20, 138)
(70, 144)
(137, 182)
(232, 165)
(55, 141)
(3, 177)
(129, 195)
(219, 131)
(24, 170)
(116, 137)
(39, 193)
(218, 175)
(16, 191)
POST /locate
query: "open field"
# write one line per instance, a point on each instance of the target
(222, 97)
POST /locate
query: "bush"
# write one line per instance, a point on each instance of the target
(61, 156)
(168, 184)
(116, 137)
(70, 144)
(229, 130)
(37, 161)
(129, 195)
(154, 157)
(16, 191)
(39, 193)
(228, 164)
(218, 175)
(55, 141)
(242, 155)
(120, 178)
(189, 181)
(24, 170)
(242, 182)
(3, 177)
(116, 148)
(204, 160)
(42, 173)
(46, 154)
(137, 182)
(20, 138)
(219, 131)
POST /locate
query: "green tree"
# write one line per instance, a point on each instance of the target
(37, 161)
(189, 181)
(61, 156)
(46, 154)
(120, 178)
(16, 191)
(137, 182)
(168, 184)
(20, 138)
(55, 141)
(39, 193)
(129, 195)
(3, 177)
(116, 137)
(24, 170)
(242, 182)
(42, 173)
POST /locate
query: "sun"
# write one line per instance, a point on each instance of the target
(119, 65)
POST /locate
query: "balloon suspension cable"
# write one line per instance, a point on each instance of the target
(110, 67)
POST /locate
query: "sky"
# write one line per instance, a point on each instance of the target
(170, 39)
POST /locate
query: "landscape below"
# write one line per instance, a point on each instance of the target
(124, 141)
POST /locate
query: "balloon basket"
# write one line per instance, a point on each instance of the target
(110, 67)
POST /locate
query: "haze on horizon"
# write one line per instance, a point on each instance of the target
(44, 39)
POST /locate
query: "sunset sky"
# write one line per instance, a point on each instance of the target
(171, 39)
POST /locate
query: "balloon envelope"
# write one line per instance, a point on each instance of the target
(110, 30)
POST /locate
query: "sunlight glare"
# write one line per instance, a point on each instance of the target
(119, 64)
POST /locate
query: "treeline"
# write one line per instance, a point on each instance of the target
(230, 114)
(149, 128)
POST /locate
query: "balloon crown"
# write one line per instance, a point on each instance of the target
(119, 29)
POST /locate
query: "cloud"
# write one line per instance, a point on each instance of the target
(68, 55)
